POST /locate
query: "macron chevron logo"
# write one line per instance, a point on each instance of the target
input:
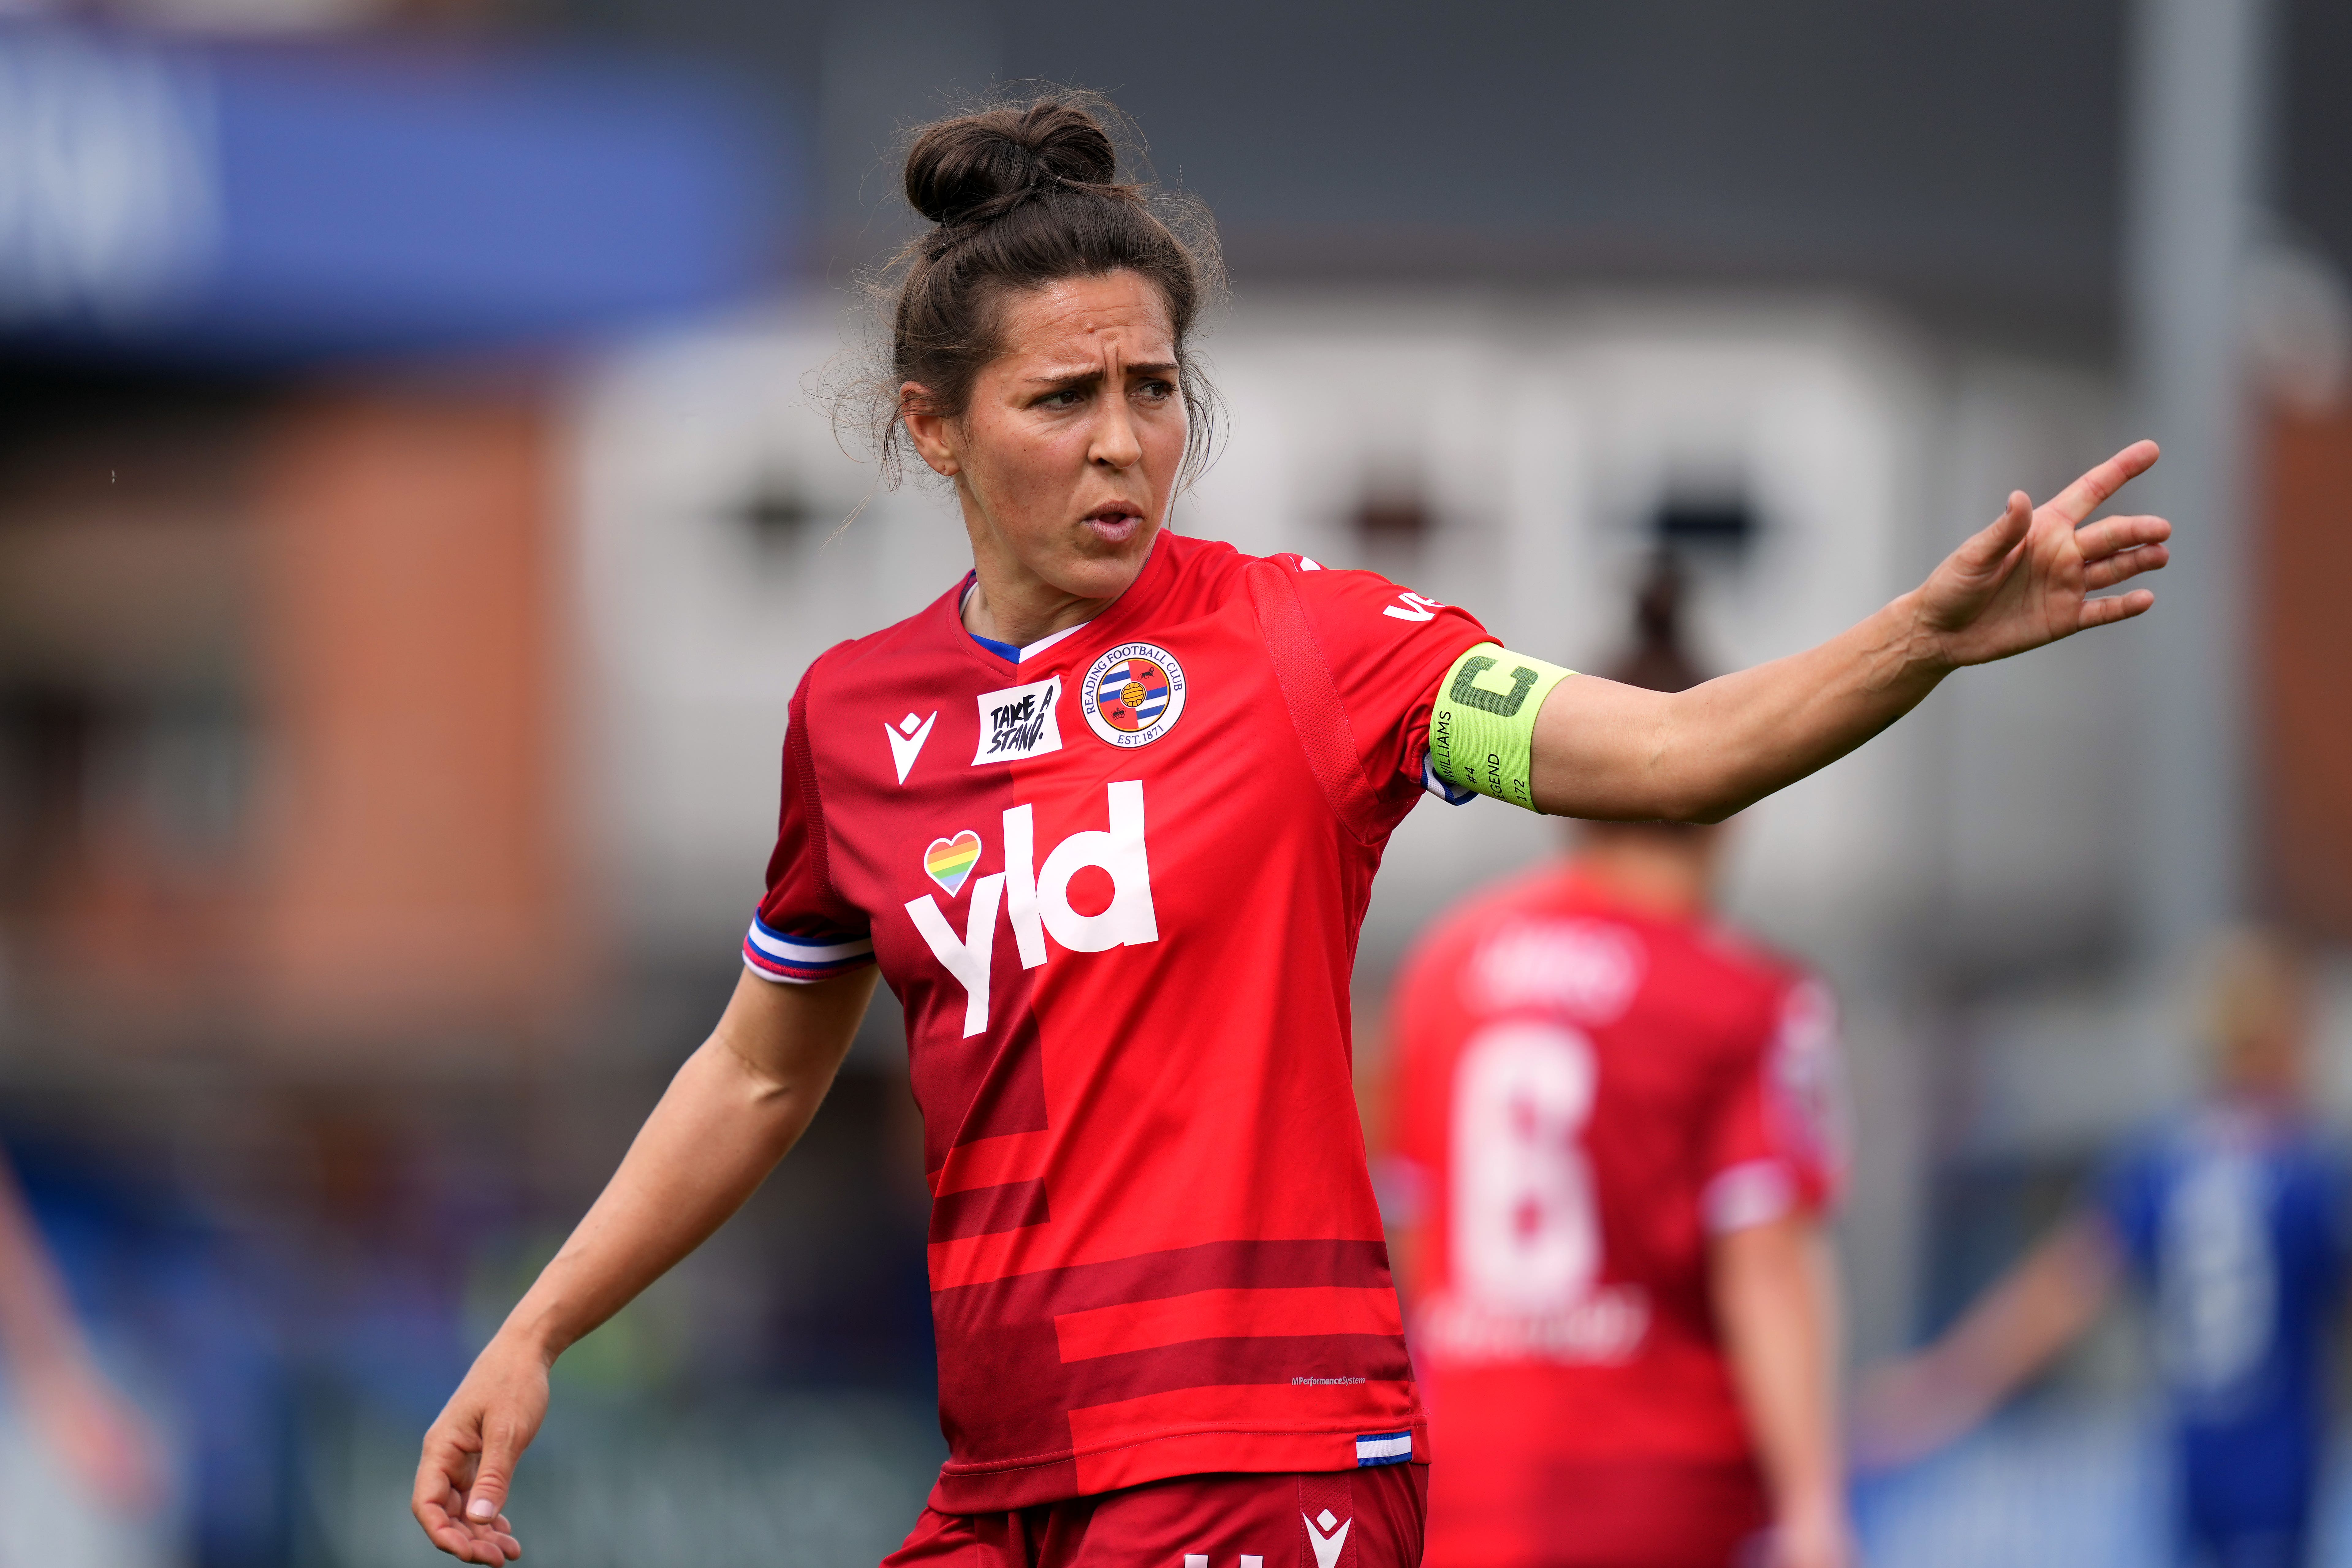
(1328, 1535)
(906, 738)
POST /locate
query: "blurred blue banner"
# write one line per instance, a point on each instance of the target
(276, 202)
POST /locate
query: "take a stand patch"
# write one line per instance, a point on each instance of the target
(1019, 721)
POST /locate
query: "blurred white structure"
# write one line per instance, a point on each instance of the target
(1520, 458)
(1541, 445)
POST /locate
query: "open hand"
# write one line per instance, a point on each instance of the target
(2027, 579)
(471, 1453)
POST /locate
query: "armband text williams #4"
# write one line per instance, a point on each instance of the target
(1481, 728)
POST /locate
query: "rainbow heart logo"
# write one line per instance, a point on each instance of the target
(950, 861)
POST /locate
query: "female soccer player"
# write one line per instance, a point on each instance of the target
(1106, 816)
(1613, 1133)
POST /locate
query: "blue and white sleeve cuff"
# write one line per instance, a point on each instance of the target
(1445, 789)
(774, 955)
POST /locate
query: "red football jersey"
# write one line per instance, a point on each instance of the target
(1584, 1094)
(1117, 888)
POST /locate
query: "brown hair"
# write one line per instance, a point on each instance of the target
(1021, 195)
(1657, 661)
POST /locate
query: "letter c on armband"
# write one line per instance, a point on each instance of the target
(1482, 728)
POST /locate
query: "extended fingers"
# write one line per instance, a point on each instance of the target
(2108, 570)
(2110, 534)
(2122, 608)
(2087, 494)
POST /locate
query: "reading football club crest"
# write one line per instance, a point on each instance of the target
(1134, 694)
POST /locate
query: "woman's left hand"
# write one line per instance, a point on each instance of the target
(2028, 579)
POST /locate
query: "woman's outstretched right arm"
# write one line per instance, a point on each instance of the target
(736, 1105)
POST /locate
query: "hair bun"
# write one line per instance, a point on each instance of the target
(986, 161)
(1658, 661)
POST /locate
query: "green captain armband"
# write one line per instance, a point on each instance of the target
(1481, 728)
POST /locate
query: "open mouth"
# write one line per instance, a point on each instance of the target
(1114, 522)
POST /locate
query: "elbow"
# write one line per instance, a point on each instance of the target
(1691, 813)
(1637, 801)
(1698, 807)
(1709, 813)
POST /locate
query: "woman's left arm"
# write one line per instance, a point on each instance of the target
(1617, 752)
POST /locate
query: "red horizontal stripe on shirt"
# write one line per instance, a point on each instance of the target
(1203, 1453)
(985, 1211)
(1288, 1361)
(1006, 1282)
(1227, 1314)
(1342, 1412)
(991, 1162)
(981, 1259)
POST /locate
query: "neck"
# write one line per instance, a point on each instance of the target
(1657, 873)
(1010, 602)
(1008, 614)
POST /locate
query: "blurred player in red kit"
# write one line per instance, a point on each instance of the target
(1614, 1149)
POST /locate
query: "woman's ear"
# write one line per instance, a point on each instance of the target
(929, 432)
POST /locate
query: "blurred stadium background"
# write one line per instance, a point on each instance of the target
(414, 517)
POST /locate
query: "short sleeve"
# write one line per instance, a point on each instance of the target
(1778, 1143)
(803, 930)
(1386, 647)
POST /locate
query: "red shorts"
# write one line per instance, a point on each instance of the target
(1596, 1513)
(1337, 1519)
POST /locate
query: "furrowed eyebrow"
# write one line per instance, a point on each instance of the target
(1093, 374)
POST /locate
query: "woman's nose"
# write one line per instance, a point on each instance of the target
(1116, 444)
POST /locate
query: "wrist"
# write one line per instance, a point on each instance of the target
(534, 1337)
(1916, 648)
(1813, 1502)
